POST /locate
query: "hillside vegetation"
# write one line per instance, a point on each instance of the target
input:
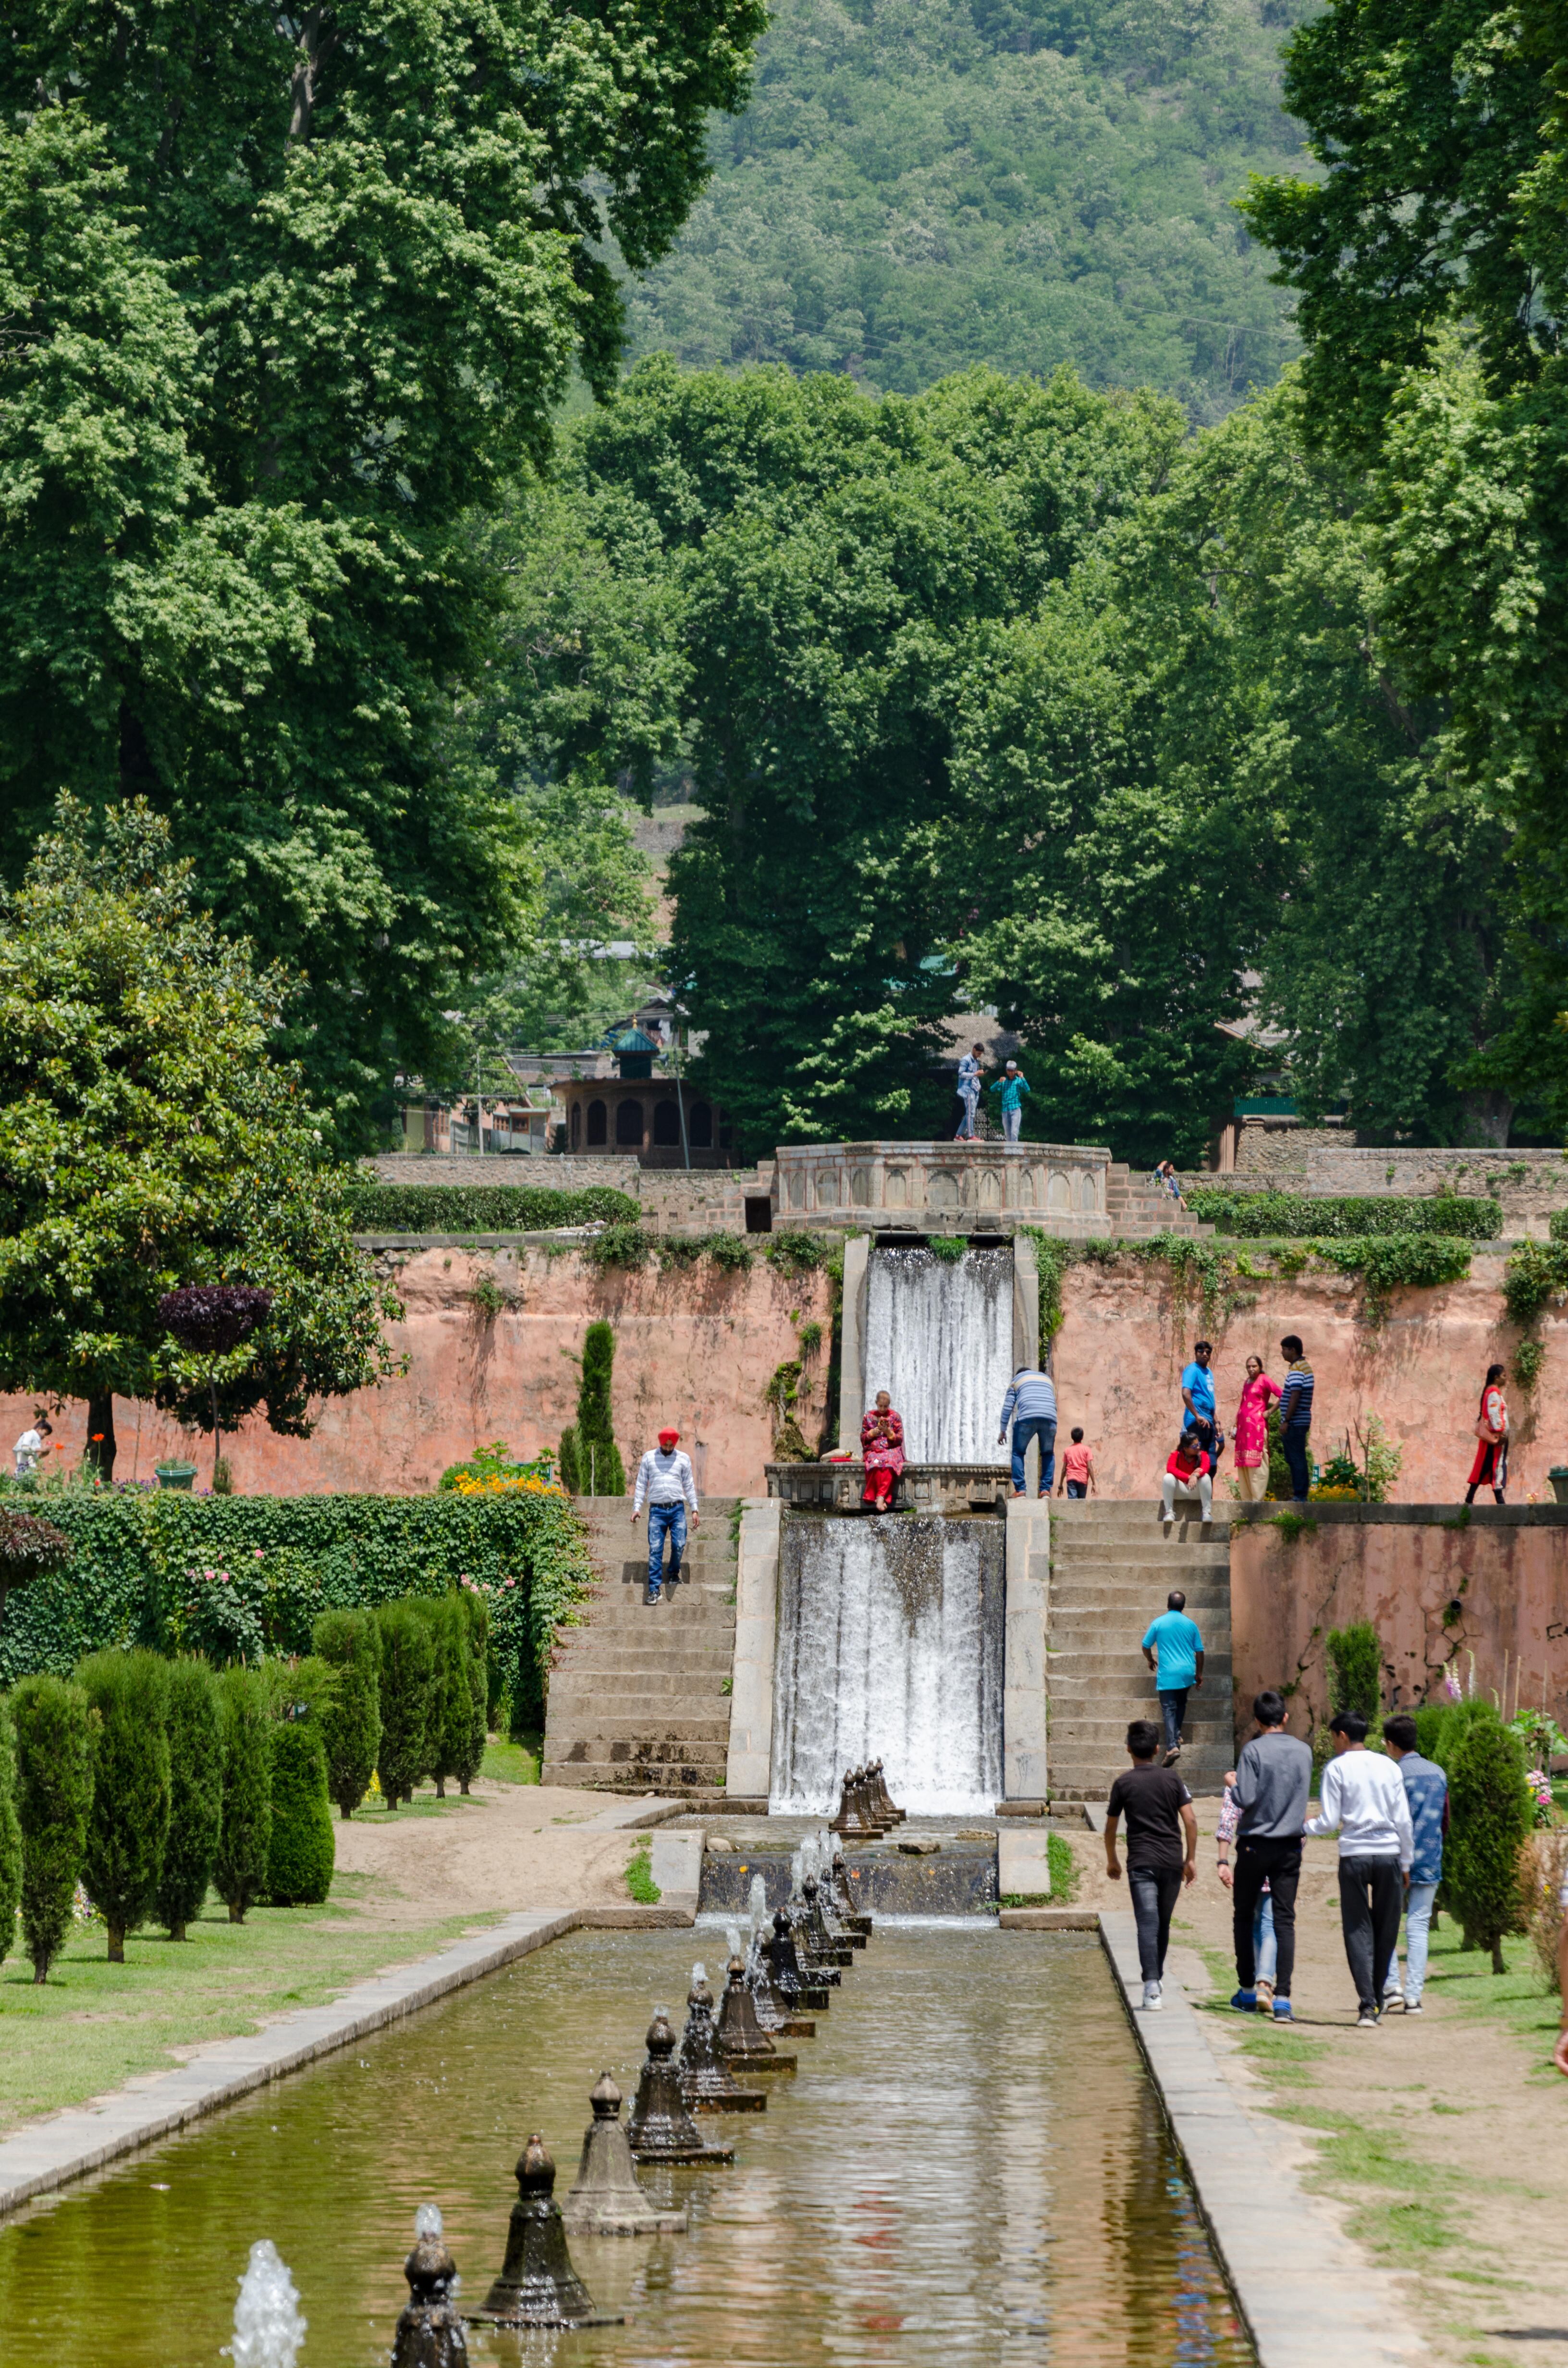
(922, 185)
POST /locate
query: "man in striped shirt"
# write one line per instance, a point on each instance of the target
(1296, 1414)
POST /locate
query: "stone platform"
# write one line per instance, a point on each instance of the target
(920, 1487)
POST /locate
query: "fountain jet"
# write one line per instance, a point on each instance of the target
(706, 2082)
(268, 2330)
(430, 2331)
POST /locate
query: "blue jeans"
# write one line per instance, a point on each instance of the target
(1293, 1444)
(663, 1519)
(1173, 1709)
(1418, 1926)
(1077, 1487)
(1040, 1426)
(970, 1100)
(1263, 1938)
(1154, 1891)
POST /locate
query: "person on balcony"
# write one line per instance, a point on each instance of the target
(1012, 1085)
(882, 1450)
(970, 1068)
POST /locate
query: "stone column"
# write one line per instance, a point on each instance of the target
(1025, 1619)
(852, 1342)
(749, 1766)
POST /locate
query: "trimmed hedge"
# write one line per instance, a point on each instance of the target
(239, 1578)
(483, 1208)
(1254, 1216)
(299, 1857)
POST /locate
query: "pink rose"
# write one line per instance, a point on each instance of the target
(256, 1551)
(208, 1574)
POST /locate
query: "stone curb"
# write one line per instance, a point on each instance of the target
(1049, 1920)
(1305, 2294)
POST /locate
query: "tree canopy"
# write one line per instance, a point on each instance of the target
(151, 1138)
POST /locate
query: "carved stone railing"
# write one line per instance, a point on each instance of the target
(933, 1187)
(920, 1487)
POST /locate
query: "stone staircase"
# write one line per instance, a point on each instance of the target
(638, 1695)
(1111, 1569)
(1137, 1210)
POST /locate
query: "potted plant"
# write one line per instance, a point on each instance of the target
(175, 1476)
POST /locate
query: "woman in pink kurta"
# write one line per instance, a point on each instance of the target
(1252, 1431)
(881, 1449)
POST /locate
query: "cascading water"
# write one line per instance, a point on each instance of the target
(890, 1646)
(268, 2328)
(939, 1339)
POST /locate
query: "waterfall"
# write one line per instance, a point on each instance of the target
(889, 1647)
(940, 1338)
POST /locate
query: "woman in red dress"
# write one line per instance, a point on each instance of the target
(1490, 1469)
(1252, 1432)
(881, 1449)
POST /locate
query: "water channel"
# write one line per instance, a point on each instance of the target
(969, 2163)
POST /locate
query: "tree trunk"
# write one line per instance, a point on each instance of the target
(41, 1972)
(440, 1788)
(217, 1435)
(343, 1813)
(176, 1932)
(1498, 1965)
(462, 1787)
(116, 1944)
(100, 1436)
(236, 1915)
(1488, 1115)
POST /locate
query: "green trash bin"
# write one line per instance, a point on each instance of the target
(176, 1475)
(1557, 1475)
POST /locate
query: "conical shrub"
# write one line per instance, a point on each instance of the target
(300, 1859)
(130, 1788)
(1490, 1813)
(599, 1471)
(10, 1839)
(350, 1643)
(239, 1868)
(474, 1613)
(570, 1473)
(407, 1675)
(196, 1793)
(54, 1800)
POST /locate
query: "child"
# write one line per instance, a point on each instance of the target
(1077, 1469)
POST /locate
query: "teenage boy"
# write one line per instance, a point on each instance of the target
(665, 1482)
(1296, 1416)
(1198, 1387)
(970, 1067)
(1274, 1778)
(1426, 1790)
(1172, 1646)
(1078, 1469)
(1363, 1801)
(1159, 1813)
(1012, 1085)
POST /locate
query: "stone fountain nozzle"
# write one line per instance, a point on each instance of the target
(430, 2329)
(740, 2034)
(538, 2286)
(607, 2200)
(661, 2128)
(706, 2082)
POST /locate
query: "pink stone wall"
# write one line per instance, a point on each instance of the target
(1127, 1334)
(694, 1347)
(1489, 1601)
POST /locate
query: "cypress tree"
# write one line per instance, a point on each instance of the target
(54, 1799)
(350, 1643)
(451, 1750)
(239, 1868)
(1356, 1670)
(1491, 1813)
(445, 1672)
(407, 1677)
(570, 1472)
(10, 1839)
(474, 1615)
(299, 1859)
(196, 1793)
(599, 1471)
(130, 1822)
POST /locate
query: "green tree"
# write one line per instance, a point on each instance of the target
(130, 1822)
(1491, 1815)
(239, 1868)
(599, 1471)
(1354, 1657)
(11, 1837)
(196, 1793)
(350, 1641)
(299, 326)
(299, 1854)
(446, 1705)
(407, 1682)
(54, 1798)
(468, 1756)
(148, 1138)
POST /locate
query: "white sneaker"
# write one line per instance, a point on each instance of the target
(1151, 1997)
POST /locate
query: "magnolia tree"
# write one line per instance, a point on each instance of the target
(169, 1229)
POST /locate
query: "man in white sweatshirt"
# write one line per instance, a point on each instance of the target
(665, 1485)
(1363, 1800)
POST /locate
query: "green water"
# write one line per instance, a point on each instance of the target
(969, 2163)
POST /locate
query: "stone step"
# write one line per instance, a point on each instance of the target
(615, 1727)
(1101, 1667)
(1144, 1548)
(610, 1659)
(591, 1759)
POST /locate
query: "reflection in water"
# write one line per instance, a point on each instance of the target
(969, 2162)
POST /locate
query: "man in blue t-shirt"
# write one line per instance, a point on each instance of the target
(1197, 1403)
(1174, 1650)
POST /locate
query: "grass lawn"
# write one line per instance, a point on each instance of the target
(94, 2025)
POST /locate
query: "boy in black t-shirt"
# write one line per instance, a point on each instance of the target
(1159, 1813)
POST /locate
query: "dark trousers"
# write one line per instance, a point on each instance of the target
(1277, 1863)
(1371, 1893)
(1173, 1709)
(1155, 1890)
(1293, 1445)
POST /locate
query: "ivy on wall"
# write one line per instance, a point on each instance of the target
(240, 1577)
(1266, 1215)
(481, 1208)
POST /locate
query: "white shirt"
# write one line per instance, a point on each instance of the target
(666, 1479)
(27, 1449)
(1364, 1800)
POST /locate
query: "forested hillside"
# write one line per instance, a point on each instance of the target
(922, 185)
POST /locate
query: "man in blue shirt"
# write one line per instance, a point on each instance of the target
(1197, 1399)
(1012, 1085)
(1427, 1789)
(1174, 1650)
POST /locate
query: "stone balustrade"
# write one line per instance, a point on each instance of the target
(940, 1187)
(920, 1487)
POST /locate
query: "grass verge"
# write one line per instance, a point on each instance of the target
(640, 1882)
(92, 2026)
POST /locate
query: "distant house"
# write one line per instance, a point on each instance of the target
(645, 1110)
